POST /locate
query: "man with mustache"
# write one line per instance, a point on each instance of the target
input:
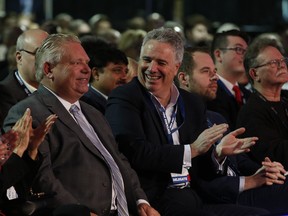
(236, 178)
(265, 114)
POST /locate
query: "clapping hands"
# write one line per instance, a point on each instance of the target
(28, 138)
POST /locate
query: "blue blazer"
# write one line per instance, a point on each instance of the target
(138, 129)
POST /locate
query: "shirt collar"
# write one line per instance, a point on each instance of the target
(173, 98)
(64, 102)
(228, 84)
(29, 87)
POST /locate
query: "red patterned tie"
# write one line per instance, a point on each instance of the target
(238, 95)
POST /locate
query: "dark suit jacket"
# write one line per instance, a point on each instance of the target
(11, 93)
(72, 167)
(216, 186)
(225, 104)
(20, 173)
(138, 129)
(95, 99)
(260, 120)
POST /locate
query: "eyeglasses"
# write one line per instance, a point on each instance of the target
(274, 63)
(29, 52)
(238, 50)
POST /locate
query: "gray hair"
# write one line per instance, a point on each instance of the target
(52, 51)
(167, 35)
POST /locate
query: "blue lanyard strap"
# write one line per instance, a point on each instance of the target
(168, 125)
(22, 83)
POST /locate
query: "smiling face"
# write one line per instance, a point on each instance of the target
(110, 77)
(158, 67)
(70, 77)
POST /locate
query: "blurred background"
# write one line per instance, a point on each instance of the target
(252, 15)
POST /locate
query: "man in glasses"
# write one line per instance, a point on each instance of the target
(234, 178)
(228, 49)
(266, 113)
(21, 83)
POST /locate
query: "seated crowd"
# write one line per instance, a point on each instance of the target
(162, 126)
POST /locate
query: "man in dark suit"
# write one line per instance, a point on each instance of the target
(77, 169)
(158, 127)
(228, 49)
(21, 83)
(109, 67)
(236, 178)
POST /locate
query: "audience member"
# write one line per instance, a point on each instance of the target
(63, 20)
(19, 161)
(108, 71)
(197, 74)
(112, 36)
(158, 127)
(10, 63)
(153, 21)
(265, 114)
(130, 42)
(132, 69)
(21, 83)
(72, 152)
(228, 49)
(99, 23)
(197, 31)
(79, 27)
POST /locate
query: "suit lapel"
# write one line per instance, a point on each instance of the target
(64, 117)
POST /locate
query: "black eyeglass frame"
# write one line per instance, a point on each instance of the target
(238, 50)
(29, 52)
(277, 62)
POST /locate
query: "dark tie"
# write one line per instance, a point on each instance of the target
(116, 175)
(238, 95)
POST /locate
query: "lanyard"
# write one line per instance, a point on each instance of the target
(168, 125)
(273, 109)
(22, 83)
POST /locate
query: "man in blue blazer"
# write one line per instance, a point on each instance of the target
(159, 127)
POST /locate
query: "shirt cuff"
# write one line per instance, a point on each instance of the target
(241, 183)
(141, 201)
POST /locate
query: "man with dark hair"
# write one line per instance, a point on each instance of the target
(228, 49)
(109, 68)
(236, 178)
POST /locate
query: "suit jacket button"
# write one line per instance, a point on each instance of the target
(105, 184)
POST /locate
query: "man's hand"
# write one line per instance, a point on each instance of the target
(270, 173)
(146, 210)
(207, 138)
(231, 145)
(23, 127)
(38, 134)
(7, 144)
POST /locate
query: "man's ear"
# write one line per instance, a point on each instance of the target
(95, 73)
(183, 79)
(217, 55)
(48, 70)
(18, 56)
(254, 75)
